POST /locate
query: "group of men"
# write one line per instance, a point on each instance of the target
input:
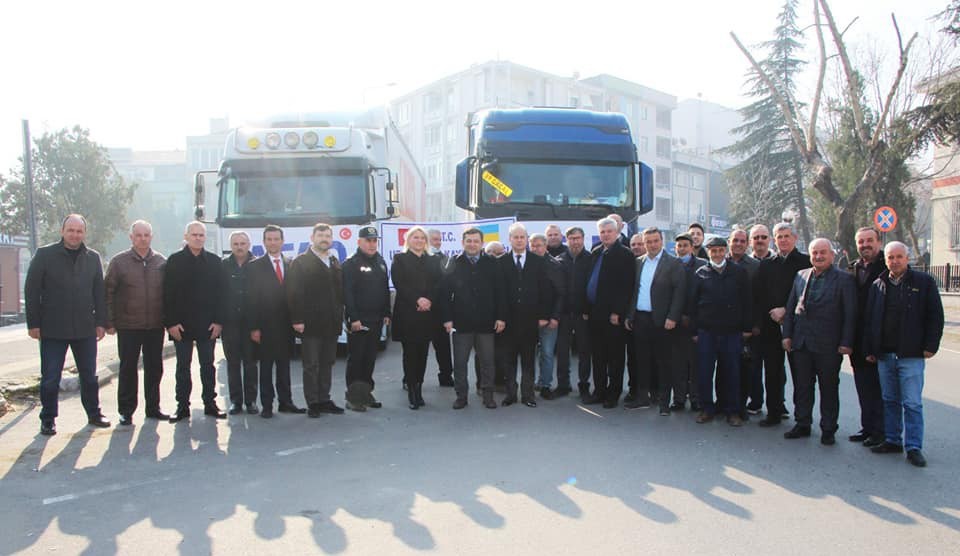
(714, 319)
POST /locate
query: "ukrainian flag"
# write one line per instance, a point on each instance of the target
(491, 232)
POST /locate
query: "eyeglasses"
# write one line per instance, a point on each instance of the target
(761, 237)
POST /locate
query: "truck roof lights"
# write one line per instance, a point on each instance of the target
(311, 139)
(273, 140)
(253, 143)
(291, 139)
(330, 141)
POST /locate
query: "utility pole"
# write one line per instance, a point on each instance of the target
(28, 184)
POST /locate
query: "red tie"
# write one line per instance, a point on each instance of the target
(276, 263)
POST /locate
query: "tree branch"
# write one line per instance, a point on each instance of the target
(853, 81)
(904, 52)
(778, 96)
(821, 73)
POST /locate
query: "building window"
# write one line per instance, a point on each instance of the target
(431, 137)
(432, 102)
(663, 208)
(644, 145)
(955, 224)
(451, 101)
(643, 113)
(662, 178)
(663, 147)
(433, 174)
(663, 118)
(403, 113)
(451, 132)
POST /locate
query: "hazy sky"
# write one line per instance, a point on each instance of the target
(145, 75)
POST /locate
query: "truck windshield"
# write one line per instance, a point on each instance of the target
(557, 184)
(335, 197)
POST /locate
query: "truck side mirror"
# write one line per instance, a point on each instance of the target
(644, 194)
(462, 187)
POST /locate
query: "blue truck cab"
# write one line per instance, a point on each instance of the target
(552, 165)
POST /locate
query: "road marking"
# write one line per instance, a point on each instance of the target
(595, 414)
(318, 446)
(96, 491)
(950, 350)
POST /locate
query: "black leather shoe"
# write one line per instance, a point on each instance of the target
(266, 412)
(797, 432)
(664, 411)
(546, 393)
(887, 448)
(610, 404)
(236, 409)
(214, 411)
(98, 421)
(331, 408)
(828, 439)
(313, 411)
(125, 420)
(530, 402)
(488, 401)
(678, 406)
(183, 413)
(509, 400)
(460, 403)
(916, 458)
(770, 421)
(593, 400)
(252, 409)
(562, 391)
(373, 403)
(290, 408)
(158, 415)
(352, 406)
(859, 437)
(48, 428)
(873, 441)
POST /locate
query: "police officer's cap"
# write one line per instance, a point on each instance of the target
(369, 232)
(716, 242)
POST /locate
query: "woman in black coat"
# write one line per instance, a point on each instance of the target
(416, 278)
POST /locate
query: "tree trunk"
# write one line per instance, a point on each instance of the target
(802, 205)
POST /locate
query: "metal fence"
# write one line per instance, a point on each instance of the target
(946, 275)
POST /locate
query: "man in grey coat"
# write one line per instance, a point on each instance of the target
(66, 309)
(818, 329)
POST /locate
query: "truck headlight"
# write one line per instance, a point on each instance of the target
(311, 139)
(291, 139)
(273, 140)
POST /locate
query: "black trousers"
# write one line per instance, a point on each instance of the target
(500, 356)
(282, 392)
(208, 373)
(362, 350)
(755, 372)
(441, 349)
(564, 336)
(607, 346)
(653, 350)
(415, 361)
(810, 369)
(130, 344)
(867, 379)
(242, 380)
(523, 346)
(574, 335)
(774, 372)
(685, 366)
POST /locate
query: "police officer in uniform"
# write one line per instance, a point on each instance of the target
(366, 298)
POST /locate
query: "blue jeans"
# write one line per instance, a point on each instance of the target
(52, 354)
(547, 355)
(723, 349)
(901, 381)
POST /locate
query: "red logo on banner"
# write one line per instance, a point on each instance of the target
(345, 233)
(401, 235)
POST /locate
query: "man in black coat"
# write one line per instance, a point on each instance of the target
(656, 308)
(771, 290)
(818, 330)
(238, 347)
(269, 321)
(366, 299)
(192, 314)
(685, 351)
(315, 301)
(573, 328)
(65, 309)
(865, 271)
(529, 299)
(473, 308)
(607, 300)
(440, 339)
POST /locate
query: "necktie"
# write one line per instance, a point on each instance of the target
(519, 264)
(279, 271)
(473, 260)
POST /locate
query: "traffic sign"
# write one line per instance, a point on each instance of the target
(885, 219)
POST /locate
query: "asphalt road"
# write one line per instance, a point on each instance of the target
(560, 479)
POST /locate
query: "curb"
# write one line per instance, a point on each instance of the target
(105, 374)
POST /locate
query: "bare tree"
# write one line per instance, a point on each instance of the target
(804, 128)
